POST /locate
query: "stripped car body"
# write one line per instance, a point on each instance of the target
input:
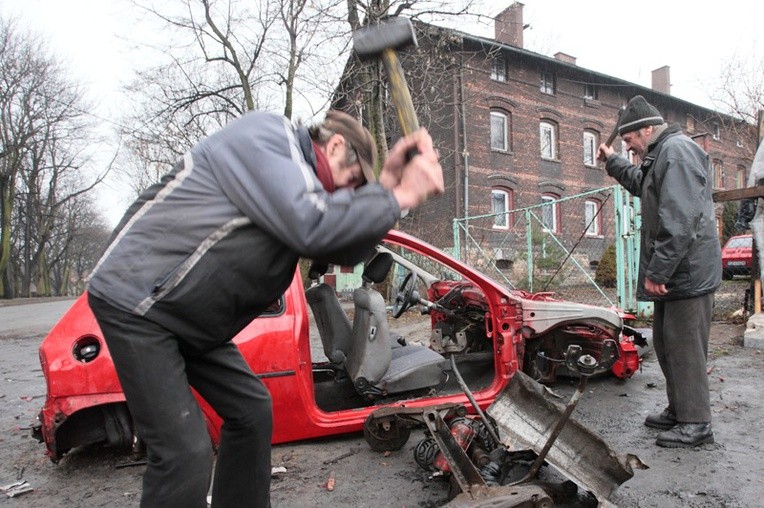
(488, 331)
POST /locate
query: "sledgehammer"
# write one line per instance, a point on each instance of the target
(382, 40)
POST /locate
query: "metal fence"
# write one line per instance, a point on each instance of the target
(556, 246)
(583, 248)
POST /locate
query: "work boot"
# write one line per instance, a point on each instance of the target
(686, 435)
(664, 420)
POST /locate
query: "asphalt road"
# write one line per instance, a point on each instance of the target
(727, 474)
(32, 318)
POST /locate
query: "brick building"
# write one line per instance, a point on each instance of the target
(516, 129)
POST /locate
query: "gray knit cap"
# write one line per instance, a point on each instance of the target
(638, 113)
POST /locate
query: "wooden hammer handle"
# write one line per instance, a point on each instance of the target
(399, 91)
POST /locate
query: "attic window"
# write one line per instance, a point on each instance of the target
(591, 92)
(499, 70)
(547, 83)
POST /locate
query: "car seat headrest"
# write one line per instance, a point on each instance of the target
(377, 269)
(316, 270)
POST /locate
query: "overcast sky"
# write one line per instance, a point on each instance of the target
(627, 40)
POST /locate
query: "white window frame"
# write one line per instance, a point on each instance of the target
(547, 83)
(591, 91)
(499, 70)
(548, 138)
(718, 169)
(590, 148)
(741, 177)
(502, 117)
(551, 206)
(500, 196)
(591, 207)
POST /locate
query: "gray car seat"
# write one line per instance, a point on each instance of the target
(332, 322)
(375, 367)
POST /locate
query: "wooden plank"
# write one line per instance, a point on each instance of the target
(737, 194)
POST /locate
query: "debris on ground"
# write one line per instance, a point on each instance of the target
(330, 482)
(16, 488)
(334, 460)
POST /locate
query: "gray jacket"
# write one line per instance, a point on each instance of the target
(679, 244)
(217, 241)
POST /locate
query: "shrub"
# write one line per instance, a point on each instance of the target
(606, 272)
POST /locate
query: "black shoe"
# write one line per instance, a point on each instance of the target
(664, 420)
(685, 435)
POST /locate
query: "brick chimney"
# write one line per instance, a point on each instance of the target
(662, 80)
(508, 25)
(564, 57)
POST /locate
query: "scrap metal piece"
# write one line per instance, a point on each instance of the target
(526, 415)
(16, 488)
(518, 496)
(462, 468)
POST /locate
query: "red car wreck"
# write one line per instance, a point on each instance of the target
(479, 334)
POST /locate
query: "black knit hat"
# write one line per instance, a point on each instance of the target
(638, 113)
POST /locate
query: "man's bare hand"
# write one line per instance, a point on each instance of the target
(653, 288)
(604, 152)
(414, 181)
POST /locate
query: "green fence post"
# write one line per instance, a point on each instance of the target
(529, 248)
(619, 254)
(633, 250)
(457, 248)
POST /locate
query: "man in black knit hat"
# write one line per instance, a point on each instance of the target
(680, 261)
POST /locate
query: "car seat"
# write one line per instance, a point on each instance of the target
(332, 322)
(375, 367)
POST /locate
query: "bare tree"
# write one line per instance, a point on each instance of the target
(365, 85)
(740, 94)
(79, 239)
(22, 74)
(45, 133)
(228, 57)
(311, 34)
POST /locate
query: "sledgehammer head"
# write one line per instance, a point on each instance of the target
(393, 33)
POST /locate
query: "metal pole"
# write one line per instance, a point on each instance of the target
(619, 239)
(457, 247)
(529, 249)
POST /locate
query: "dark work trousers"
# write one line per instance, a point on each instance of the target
(680, 337)
(157, 379)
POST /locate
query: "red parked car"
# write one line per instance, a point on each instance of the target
(737, 256)
(330, 384)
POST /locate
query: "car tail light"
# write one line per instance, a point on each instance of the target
(86, 349)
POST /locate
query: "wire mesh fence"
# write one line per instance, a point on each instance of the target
(564, 246)
(585, 248)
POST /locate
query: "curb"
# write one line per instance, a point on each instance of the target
(35, 299)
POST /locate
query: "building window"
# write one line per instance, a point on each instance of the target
(590, 148)
(550, 212)
(716, 130)
(592, 218)
(740, 180)
(547, 83)
(499, 124)
(501, 204)
(718, 168)
(548, 138)
(591, 91)
(499, 70)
